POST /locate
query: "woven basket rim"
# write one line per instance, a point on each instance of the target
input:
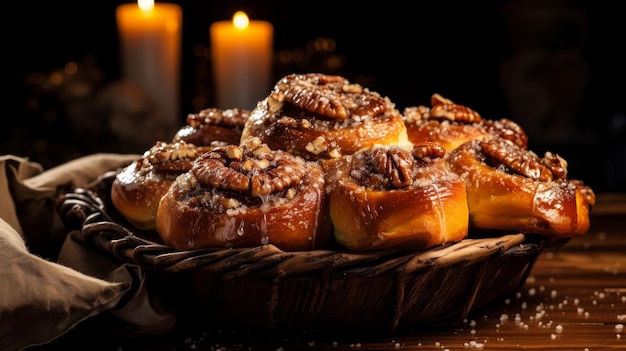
(87, 209)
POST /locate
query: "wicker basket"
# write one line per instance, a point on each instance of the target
(269, 288)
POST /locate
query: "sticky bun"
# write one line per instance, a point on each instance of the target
(245, 196)
(213, 126)
(451, 125)
(138, 187)
(319, 116)
(511, 188)
(400, 197)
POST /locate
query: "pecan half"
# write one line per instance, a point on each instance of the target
(428, 149)
(443, 108)
(504, 153)
(250, 171)
(327, 95)
(386, 168)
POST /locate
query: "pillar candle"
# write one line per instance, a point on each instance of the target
(242, 54)
(150, 43)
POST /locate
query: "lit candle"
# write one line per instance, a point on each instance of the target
(242, 56)
(150, 39)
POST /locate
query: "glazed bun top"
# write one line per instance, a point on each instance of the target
(319, 116)
(213, 126)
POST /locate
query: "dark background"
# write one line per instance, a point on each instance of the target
(555, 67)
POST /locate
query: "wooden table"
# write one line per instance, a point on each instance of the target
(574, 299)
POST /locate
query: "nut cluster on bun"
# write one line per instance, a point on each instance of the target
(322, 162)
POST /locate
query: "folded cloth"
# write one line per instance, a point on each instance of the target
(51, 280)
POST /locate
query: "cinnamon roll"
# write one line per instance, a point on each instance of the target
(138, 187)
(213, 126)
(319, 116)
(245, 196)
(511, 188)
(400, 197)
(451, 125)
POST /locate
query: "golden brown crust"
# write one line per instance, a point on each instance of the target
(137, 188)
(320, 116)
(451, 125)
(213, 126)
(396, 197)
(510, 188)
(246, 196)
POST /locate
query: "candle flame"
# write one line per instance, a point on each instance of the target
(146, 5)
(240, 20)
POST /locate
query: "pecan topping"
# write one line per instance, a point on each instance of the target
(502, 152)
(428, 149)
(257, 171)
(446, 109)
(171, 157)
(507, 129)
(326, 95)
(557, 165)
(416, 113)
(385, 168)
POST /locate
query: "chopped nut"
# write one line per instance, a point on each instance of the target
(317, 146)
(229, 203)
(275, 102)
(234, 152)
